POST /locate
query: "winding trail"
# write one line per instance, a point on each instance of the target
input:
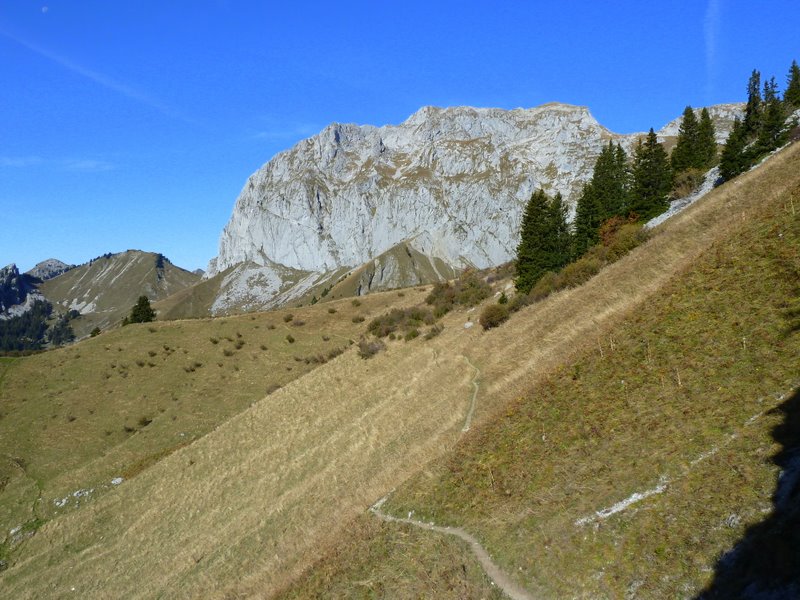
(498, 577)
(495, 573)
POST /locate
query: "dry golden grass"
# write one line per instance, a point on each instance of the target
(242, 510)
(671, 391)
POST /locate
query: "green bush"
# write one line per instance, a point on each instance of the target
(411, 334)
(493, 315)
(686, 182)
(358, 319)
(546, 285)
(290, 339)
(288, 317)
(579, 272)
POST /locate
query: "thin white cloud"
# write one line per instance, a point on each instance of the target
(82, 165)
(711, 26)
(86, 165)
(98, 78)
(19, 161)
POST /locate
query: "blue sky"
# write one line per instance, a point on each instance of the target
(136, 124)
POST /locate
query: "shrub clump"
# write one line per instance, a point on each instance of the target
(288, 317)
(290, 339)
(468, 290)
(369, 348)
(401, 319)
(494, 315)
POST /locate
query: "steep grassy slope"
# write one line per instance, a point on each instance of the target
(112, 406)
(682, 403)
(242, 510)
(105, 289)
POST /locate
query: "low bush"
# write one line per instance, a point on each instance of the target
(434, 331)
(288, 317)
(468, 290)
(369, 348)
(356, 302)
(494, 315)
(358, 319)
(401, 319)
(686, 182)
(547, 284)
(298, 323)
(331, 311)
(411, 334)
(290, 339)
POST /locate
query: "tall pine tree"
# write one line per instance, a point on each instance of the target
(686, 154)
(540, 246)
(610, 181)
(733, 160)
(652, 178)
(562, 239)
(706, 140)
(773, 131)
(588, 217)
(792, 94)
(752, 112)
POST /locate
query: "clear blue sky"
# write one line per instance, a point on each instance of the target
(135, 124)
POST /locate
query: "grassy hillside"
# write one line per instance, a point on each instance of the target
(105, 289)
(112, 406)
(688, 402)
(244, 509)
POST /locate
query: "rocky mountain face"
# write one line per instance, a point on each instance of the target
(47, 269)
(17, 292)
(449, 184)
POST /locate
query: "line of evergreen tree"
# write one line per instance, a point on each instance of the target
(764, 127)
(26, 331)
(544, 239)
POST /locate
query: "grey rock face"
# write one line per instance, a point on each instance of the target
(451, 182)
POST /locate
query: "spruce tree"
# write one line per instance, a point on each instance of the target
(535, 240)
(792, 94)
(610, 181)
(562, 239)
(773, 131)
(706, 141)
(652, 178)
(142, 312)
(686, 154)
(752, 112)
(733, 160)
(588, 217)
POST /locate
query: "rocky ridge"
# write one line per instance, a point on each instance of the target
(449, 183)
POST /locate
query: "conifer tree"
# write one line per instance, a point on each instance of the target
(588, 217)
(752, 112)
(707, 140)
(686, 154)
(610, 181)
(562, 239)
(773, 132)
(652, 178)
(535, 239)
(732, 160)
(792, 94)
(142, 312)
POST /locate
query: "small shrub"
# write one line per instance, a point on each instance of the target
(392, 336)
(151, 353)
(298, 323)
(95, 332)
(331, 311)
(358, 319)
(128, 429)
(227, 352)
(325, 338)
(627, 238)
(263, 346)
(401, 295)
(686, 182)
(411, 334)
(493, 315)
(369, 348)
(238, 335)
(290, 339)
(503, 298)
(579, 272)
(214, 340)
(151, 364)
(238, 345)
(270, 326)
(288, 317)
(335, 352)
(197, 364)
(434, 331)
(273, 388)
(356, 302)
(145, 421)
(544, 287)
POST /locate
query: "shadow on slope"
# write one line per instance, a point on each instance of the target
(765, 563)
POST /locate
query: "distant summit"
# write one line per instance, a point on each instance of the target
(47, 269)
